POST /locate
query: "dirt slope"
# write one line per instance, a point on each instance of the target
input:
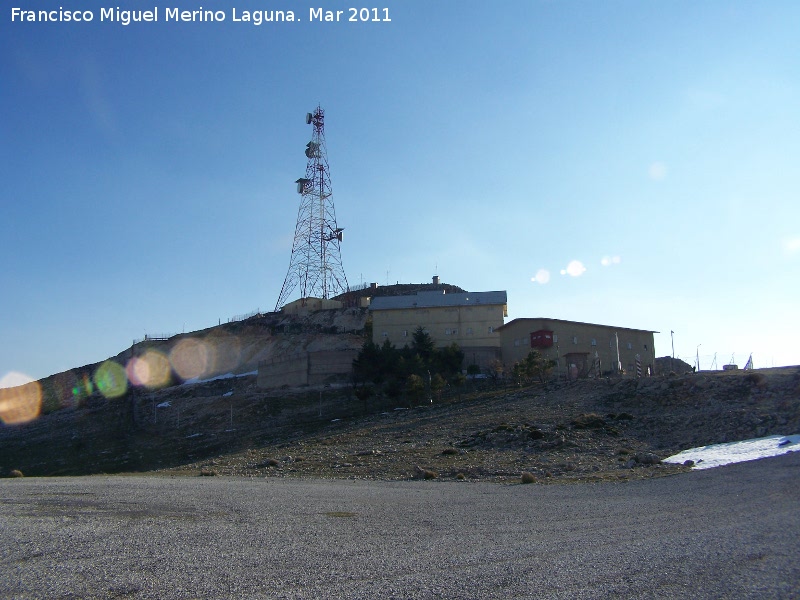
(588, 430)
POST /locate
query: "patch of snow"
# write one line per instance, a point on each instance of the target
(166, 404)
(227, 394)
(717, 455)
(194, 435)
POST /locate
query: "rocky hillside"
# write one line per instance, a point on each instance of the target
(236, 347)
(587, 430)
(231, 348)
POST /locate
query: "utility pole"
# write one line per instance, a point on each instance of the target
(672, 335)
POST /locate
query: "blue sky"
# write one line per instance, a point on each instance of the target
(148, 171)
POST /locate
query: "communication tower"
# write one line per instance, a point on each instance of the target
(316, 262)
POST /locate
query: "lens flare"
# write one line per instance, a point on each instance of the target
(227, 351)
(111, 380)
(542, 276)
(607, 261)
(191, 358)
(575, 269)
(82, 389)
(151, 370)
(22, 402)
(64, 387)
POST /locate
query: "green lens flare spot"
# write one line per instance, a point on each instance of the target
(111, 380)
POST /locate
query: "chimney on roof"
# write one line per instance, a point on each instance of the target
(435, 280)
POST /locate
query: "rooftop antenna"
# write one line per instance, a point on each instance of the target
(316, 262)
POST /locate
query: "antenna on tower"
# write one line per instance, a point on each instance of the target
(316, 262)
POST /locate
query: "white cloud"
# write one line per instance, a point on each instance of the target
(575, 268)
(542, 276)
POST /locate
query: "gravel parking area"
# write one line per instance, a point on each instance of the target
(729, 532)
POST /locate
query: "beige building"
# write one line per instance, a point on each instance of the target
(469, 319)
(580, 349)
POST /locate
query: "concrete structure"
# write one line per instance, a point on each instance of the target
(469, 319)
(580, 349)
(306, 368)
(305, 306)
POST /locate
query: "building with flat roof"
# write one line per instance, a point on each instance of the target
(469, 319)
(579, 349)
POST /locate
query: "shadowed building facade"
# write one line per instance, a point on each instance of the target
(469, 319)
(579, 349)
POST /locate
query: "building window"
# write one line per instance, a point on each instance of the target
(455, 331)
(645, 347)
(405, 333)
(555, 338)
(385, 334)
(491, 329)
(447, 332)
(630, 346)
(516, 342)
(594, 342)
(469, 330)
(574, 339)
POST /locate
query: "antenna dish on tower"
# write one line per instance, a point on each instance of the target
(309, 116)
(312, 150)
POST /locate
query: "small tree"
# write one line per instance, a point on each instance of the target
(437, 385)
(363, 393)
(448, 360)
(518, 372)
(536, 366)
(422, 344)
(415, 388)
(458, 381)
(496, 369)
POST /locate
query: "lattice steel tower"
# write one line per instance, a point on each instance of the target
(316, 263)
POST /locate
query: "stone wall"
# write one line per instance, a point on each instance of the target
(306, 368)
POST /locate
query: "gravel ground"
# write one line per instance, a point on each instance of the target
(729, 532)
